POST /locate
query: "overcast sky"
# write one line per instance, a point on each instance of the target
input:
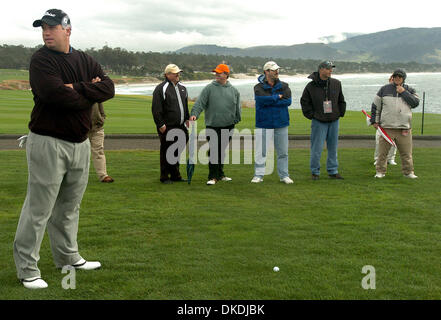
(167, 25)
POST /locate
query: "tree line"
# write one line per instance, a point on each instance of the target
(120, 61)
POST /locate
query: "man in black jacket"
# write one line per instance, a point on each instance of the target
(170, 111)
(323, 103)
(65, 84)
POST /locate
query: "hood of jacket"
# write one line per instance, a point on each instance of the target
(262, 80)
(314, 76)
(217, 84)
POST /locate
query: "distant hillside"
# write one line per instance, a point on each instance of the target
(422, 45)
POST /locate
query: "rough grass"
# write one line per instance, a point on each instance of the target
(193, 241)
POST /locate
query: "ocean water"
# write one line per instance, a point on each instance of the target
(359, 89)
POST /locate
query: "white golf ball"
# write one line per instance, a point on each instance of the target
(276, 269)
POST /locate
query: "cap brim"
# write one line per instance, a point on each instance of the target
(173, 71)
(47, 20)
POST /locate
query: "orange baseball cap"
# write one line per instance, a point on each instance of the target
(221, 68)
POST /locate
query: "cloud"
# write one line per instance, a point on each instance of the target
(205, 18)
(153, 25)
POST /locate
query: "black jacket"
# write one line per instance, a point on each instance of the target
(165, 105)
(314, 94)
(59, 111)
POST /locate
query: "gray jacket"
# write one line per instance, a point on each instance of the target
(392, 109)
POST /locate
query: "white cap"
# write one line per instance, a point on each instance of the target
(172, 68)
(271, 65)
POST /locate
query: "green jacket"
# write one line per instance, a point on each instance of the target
(221, 104)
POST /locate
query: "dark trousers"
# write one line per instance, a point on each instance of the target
(217, 147)
(170, 170)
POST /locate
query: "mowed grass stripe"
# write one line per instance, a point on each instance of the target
(132, 115)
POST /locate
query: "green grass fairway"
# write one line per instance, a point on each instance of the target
(132, 114)
(195, 241)
(13, 74)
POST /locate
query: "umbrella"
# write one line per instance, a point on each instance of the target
(191, 150)
(381, 130)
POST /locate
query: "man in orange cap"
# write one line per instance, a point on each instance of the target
(221, 103)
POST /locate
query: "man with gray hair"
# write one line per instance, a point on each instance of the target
(65, 84)
(170, 111)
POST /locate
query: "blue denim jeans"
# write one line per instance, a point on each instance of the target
(321, 132)
(270, 139)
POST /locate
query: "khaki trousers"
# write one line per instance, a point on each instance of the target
(404, 146)
(392, 152)
(58, 175)
(97, 150)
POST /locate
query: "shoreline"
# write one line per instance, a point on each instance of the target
(243, 76)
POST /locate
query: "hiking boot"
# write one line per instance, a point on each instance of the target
(107, 179)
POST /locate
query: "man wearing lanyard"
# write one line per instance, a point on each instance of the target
(170, 111)
(323, 103)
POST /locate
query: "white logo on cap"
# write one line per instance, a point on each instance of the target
(47, 13)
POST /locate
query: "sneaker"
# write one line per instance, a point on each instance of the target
(287, 180)
(256, 180)
(379, 175)
(315, 177)
(34, 283)
(336, 176)
(226, 179)
(392, 162)
(211, 182)
(411, 176)
(87, 265)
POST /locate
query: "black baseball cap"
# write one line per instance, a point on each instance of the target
(326, 65)
(53, 17)
(400, 73)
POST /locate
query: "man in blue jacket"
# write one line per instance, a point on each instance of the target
(273, 97)
(323, 102)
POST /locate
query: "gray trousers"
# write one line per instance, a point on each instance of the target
(58, 175)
